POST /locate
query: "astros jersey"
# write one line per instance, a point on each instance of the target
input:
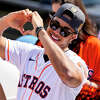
(38, 79)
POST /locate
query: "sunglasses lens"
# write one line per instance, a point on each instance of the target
(64, 32)
(54, 25)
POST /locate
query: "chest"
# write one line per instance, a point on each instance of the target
(37, 71)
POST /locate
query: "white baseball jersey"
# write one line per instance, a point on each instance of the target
(38, 79)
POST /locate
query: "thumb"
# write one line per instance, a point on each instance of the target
(21, 29)
(29, 32)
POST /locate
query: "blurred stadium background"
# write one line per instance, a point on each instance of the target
(43, 7)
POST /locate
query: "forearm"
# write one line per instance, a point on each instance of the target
(3, 26)
(61, 63)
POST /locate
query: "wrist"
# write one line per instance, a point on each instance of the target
(38, 29)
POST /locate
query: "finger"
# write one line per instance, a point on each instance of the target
(36, 14)
(25, 33)
(29, 14)
(28, 11)
(33, 16)
(21, 29)
(29, 18)
(28, 32)
(39, 17)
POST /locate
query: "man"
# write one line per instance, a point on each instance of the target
(53, 72)
(84, 45)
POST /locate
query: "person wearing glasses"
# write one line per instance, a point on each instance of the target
(86, 42)
(84, 46)
(53, 72)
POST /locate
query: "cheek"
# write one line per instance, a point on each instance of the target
(65, 41)
(48, 30)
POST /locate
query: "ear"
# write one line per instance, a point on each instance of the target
(73, 37)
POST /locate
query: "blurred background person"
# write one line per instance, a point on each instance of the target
(28, 39)
(99, 35)
(9, 76)
(2, 94)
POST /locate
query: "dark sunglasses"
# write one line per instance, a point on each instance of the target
(64, 31)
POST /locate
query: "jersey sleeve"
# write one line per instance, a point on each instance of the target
(80, 65)
(84, 70)
(17, 52)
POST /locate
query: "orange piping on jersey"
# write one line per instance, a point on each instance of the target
(37, 61)
(31, 93)
(79, 64)
(39, 78)
(44, 70)
(8, 51)
(39, 43)
(35, 70)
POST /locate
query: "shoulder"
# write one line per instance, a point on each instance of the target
(93, 40)
(76, 59)
(93, 43)
(22, 45)
(72, 55)
(79, 64)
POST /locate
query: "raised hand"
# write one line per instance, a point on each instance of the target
(36, 21)
(18, 19)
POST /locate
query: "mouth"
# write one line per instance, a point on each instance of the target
(53, 37)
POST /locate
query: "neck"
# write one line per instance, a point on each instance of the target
(65, 49)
